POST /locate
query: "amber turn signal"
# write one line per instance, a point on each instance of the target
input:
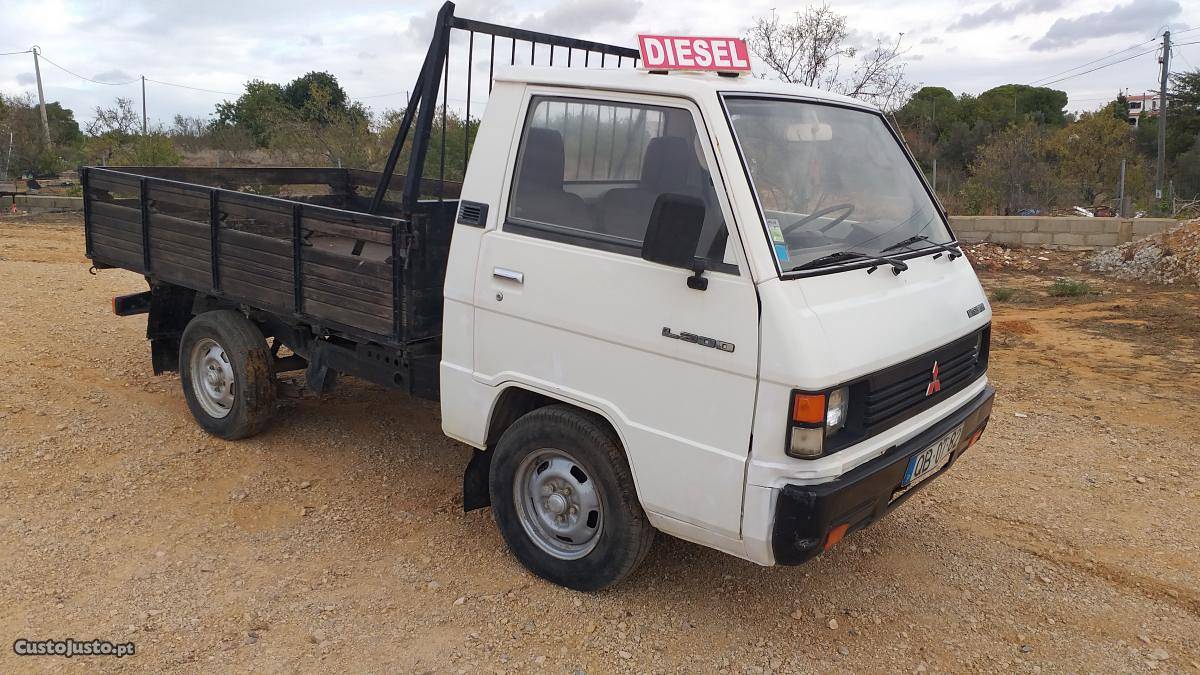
(808, 408)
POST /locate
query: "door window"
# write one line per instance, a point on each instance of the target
(588, 173)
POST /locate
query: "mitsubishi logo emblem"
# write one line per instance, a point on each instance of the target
(935, 384)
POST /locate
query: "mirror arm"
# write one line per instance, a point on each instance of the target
(697, 280)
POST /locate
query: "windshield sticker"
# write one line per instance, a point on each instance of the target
(780, 244)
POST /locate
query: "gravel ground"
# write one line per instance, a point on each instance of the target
(1068, 540)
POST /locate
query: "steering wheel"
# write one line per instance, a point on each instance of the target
(847, 208)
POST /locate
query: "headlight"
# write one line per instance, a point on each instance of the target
(835, 410)
(813, 417)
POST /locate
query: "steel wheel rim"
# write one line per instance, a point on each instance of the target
(558, 504)
(212, 378)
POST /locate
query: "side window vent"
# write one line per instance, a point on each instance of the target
(472, 213)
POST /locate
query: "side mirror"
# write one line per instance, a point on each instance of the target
(676, 223)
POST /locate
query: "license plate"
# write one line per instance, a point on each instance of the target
(927, 462)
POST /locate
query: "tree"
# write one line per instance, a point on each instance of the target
(1012, 171)
(810, 48)
(1089, 152)
(256, 111)
(115, 138)
(1010, 103)
(266, 110)
(30, 154)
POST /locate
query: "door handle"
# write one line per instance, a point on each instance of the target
(511, 275)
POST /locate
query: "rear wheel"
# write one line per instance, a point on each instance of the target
(225, 369)
(564, 499)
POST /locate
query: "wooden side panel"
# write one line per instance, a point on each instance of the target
(116, 233)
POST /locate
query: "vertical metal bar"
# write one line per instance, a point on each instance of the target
(297, 271)
(492, 64)
(85, 182)
(602, 57)
(445, 129)
(214, 238)
(513, 60)
(532, 53)
(552, 54)
(635, 62)
(579, 153)
(467, 130)
(569, 51)
(619, 60)
(144, 207)
(389, 167)
(595, 143)
(437, 56)
(587, 55)
(612, 143)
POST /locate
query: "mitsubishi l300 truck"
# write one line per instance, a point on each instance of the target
(663, 297)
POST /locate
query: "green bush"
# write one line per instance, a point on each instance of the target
(1069, 288)
(1003, 294)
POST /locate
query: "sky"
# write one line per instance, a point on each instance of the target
(375, 48)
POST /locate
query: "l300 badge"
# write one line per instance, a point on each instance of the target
(698, 340)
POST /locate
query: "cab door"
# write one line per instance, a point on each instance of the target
(564, 303)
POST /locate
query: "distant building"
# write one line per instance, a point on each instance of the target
(1141, 103)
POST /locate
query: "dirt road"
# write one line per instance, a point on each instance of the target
(1067, 541)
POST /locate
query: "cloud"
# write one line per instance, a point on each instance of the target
(26, 78)
(931, 41)
(1139, 16)
(1001, 13)
(312, 40)
(571, 16)
(114, 75)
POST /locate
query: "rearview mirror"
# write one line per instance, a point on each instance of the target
(673, 234)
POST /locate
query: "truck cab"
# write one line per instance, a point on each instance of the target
(747, 283)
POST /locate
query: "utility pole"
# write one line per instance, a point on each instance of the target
(8, 157)
(935, 175)
(1121, 193)
(37, 70)
(143, 105)
(1159, 169)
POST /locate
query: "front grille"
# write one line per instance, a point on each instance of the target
(899, 392)
(887, 397)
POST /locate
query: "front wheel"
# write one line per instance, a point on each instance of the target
(225, 368)
(564, 499)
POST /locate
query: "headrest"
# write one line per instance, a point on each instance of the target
(668, 163)
(544, 159)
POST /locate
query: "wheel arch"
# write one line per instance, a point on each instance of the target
(513, 402)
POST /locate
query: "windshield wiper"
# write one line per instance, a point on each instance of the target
(953, 251)
(898, 266)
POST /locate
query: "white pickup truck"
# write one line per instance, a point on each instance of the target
(723, 308)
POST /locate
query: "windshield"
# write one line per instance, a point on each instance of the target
(831, 180)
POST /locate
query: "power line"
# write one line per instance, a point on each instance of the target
(1084, 65)
(27, 51)
(184, 86)
(69, 72)
(1128, 58)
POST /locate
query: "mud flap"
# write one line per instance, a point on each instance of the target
(476, 494)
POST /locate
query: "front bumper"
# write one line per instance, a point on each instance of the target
(806, 514)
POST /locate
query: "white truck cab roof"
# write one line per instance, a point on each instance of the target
(693, 85)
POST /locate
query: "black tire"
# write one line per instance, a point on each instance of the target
(244, 349)
(625, 536)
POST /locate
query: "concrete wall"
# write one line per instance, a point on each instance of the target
(1056, 232)
(42, 203)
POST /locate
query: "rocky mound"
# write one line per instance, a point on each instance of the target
(1169, 257)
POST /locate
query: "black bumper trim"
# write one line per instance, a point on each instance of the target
(804, 514)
